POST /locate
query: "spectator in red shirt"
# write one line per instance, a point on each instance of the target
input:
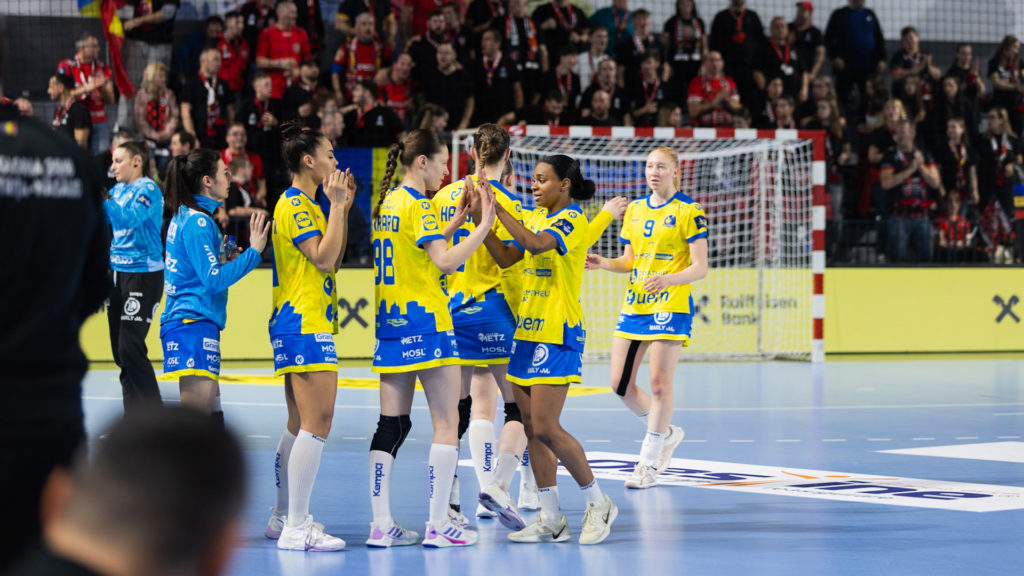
(234, 52)
(396, 86)
(92, 86)
(712, 97)
(282, 47)
(257, 185)
(359, 60)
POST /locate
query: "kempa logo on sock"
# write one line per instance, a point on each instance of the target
(378, 477)
(488, 454)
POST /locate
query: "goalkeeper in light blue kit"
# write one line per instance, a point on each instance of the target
(665, 235)
(197, 276)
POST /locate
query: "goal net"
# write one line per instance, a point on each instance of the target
(761, 298)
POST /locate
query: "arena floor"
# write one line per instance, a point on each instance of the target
(856, 467)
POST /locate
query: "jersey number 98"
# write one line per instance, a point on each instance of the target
(384, 261)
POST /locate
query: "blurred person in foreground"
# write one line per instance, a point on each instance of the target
(161, 496)
(55, 267)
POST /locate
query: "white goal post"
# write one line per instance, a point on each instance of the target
(764, 195)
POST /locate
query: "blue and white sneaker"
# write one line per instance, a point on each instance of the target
(448, 536)
(390, 535)
(499, 501)
(308, 536)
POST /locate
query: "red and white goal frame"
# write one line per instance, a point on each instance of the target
(817, 176)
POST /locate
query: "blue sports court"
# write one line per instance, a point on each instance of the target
(874, 466)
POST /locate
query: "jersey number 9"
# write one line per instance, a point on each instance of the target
(648, 228)
(384, 261)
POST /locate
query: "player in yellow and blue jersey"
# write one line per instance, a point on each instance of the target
(414, 331)
(197, 276)
(547, 352)
(666, 249)
(307, 251)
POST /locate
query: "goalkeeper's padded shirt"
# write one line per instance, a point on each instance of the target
(660, 237)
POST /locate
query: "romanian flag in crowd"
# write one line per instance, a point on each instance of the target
(368, 165)
(114, 33)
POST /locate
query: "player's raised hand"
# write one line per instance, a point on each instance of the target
(616, 207)
(348, 183)
(259, 230)
(333, 187)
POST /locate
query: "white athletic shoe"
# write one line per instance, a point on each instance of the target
(643, 476)
(276, 524)
(390, 535)
(541, 532)
(597, 521)
(528, 497)
(448, 535)
(674, 437)
(308, 536)
(498, 500)
(482, 512)
(458, 518)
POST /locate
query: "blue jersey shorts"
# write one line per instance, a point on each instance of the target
(191, 348)
(657, 326)
(541, 363)
(298, 353)
(415, 352)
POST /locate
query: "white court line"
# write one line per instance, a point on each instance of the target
(879, 439)
(599, 441)
(833, 439)
(923, 438)
(1007, 437)
(1009, 414)
(260, 436)
(787, 440)
(353, 437)
(744, 441)
(966, 437)
(694, 441)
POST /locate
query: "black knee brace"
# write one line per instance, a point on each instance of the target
(627, 368)
(465, 408)
(512, 413)
(391, 433)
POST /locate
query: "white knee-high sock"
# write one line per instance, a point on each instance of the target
(302, 469)
(284, 450)
(650, 450)
(440, 473)
(381, 464)
(508, 463)
(526, 479)
(483, 449)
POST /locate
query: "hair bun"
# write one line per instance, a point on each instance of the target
(291, 129)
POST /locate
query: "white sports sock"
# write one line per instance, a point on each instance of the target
(455, 498)
(440, 473)
(483, 449)
(526, 472)
(380, 486)
(284, 450)
(650, 450)
(548, 497)
(508, 463)
(592, 492)
(302, 468)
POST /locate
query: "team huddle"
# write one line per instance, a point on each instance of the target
(474, 295)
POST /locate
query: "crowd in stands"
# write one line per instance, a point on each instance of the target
(929, 150)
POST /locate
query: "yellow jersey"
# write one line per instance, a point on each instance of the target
(409, 288)
(550, 310)
(468, 286)
(305, 299)
(660, 238)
